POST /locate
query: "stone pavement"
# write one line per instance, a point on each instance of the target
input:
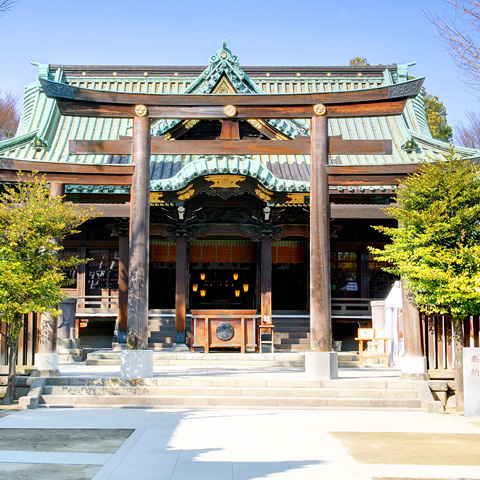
(235, 444)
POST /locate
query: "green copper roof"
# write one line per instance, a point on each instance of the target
(43, 133)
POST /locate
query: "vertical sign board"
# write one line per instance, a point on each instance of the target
(471, 380)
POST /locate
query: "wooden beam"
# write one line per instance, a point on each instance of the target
(70, 168)
(73, 179)
(70, 92)
(212, 112)
(231, 147)
(110, 210)
(365, 179)
(383, 169)
(359, 211)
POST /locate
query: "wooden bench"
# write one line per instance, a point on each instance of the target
(368, 335)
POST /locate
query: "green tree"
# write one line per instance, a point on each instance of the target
(31, 226)
(359, 62)
(436, 117)
(435, 247)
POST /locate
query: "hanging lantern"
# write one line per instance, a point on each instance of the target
(245, 287)
(237, 293)
(195, 287)
(235, 276)
(202, 276)
(203, 293)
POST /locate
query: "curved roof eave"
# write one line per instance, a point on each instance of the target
(233, 166)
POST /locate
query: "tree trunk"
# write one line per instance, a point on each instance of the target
(12, 344)
(459, 343)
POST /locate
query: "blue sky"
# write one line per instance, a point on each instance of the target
(280, 32)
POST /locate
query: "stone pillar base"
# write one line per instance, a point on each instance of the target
(321, 365)
(137, 364)
(46, 365)
(412, 366)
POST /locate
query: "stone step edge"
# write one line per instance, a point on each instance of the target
(231, 392)
(246, 401)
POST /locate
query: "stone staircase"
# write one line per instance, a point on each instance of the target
(227, 392)
(161, 329)
(291, 333)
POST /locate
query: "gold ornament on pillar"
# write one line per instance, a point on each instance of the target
(195, 287)
(245, 287)
(141, 110)
(235, 276)
(237, 293)
(203, 293)
(202, 276)
(319, 109)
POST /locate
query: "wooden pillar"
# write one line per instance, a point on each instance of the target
(181, 289)
(122, 282)
(57, 189)
(412, 325)
(266, 277)
(137, 337)
(320, 314)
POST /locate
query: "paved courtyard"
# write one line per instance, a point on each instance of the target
(237, 444)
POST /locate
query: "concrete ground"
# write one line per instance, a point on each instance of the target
(85, 444)
(237, 444)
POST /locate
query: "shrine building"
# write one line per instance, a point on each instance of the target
(232, 221)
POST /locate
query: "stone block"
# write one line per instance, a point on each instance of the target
(137, 364)
(471, 381)
(46, 365)
(321, 365)
(412, 365)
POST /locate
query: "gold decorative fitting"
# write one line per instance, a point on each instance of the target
(175, 74)
(141, 110)
(319, 109)
(224, 55)
(167, 136)
(267, 74)
(329, 74)
(359, 74)
(188, 124)
(230, 111)
(145, 74)
(299, 74)
(255, 123)
(114, 74)
(225, 181)
(84, 73)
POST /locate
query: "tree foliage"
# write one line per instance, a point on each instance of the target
(31, 226)
(359, 62)
(468, 134)
(436, 117)
(9, 115)
(436, 246)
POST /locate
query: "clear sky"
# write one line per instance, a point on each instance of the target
(268, 32)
